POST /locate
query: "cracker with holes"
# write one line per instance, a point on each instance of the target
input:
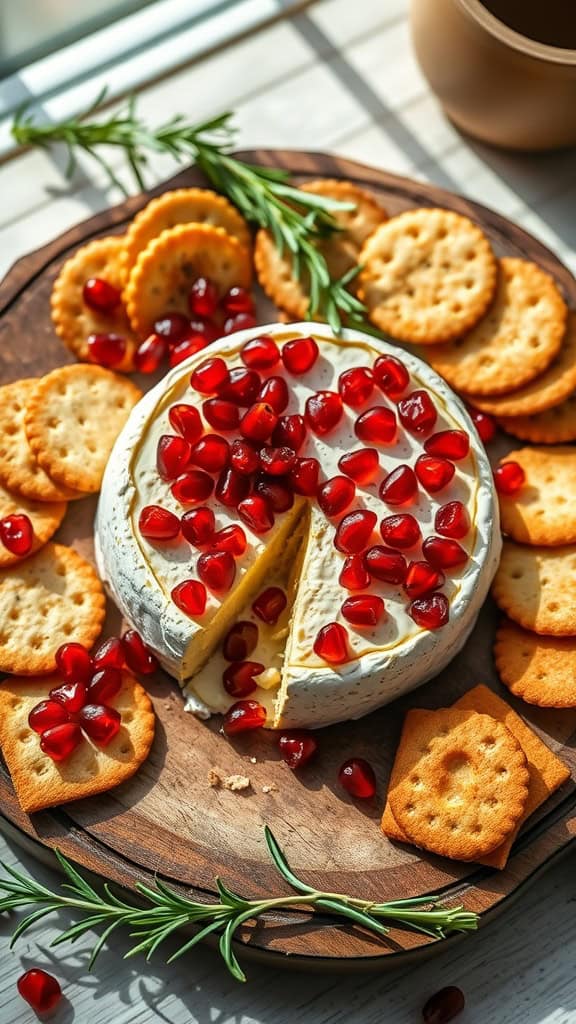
(543, 511)
(462, 782)
(166, 270)
(90, 768)
(73, 417)
(539, 669)
(555, 426)
(45, 518)
(516, 341)
(535, 586)
(74, 319)
(341, 250)
(45, 601)
(429, 275)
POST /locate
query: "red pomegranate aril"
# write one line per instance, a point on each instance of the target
(357, 777)
(356, 386)
(256, 513)
(417, 412)
(109, 654)
(361, 466)
(443, 1006)
(299, 355)
(211, 453)
(290, 431)
(400, 531)
(239, 322)
(363, 610)
(244, 716)
(430, 612)
(386, 565)
(244, 457)
(231, 487)
(304, 477)
(209, 376)
(240, 641)
(186, 420)
(206, 329)
(157, 523)
(100, 723)
(270, 604)
(17, 534)
(220, 414)
(172, 456)
(335, 495)
(422, 578)
(258, 422)
(354, 531)
(297, 747)
(391, 376)
(40, 990)
(138, 658)
(484, 423)
(74, 663)
(100, 295)
(331, 644)
(46, 715)
(104, 686)
(230, 538)
(509, 478)
(323, 412)
(260, 353)
(71, 696)
(242, 386)
(190, 597)
(192, 487)
(275, 393)
(149, 356)
(237, 300)
(434, 473)
(106, 349)
(198, 525)
(448, 444)
(399, 487)
(452, 520)
(443, 553)
(377, 425)
(354, 574)
(186, 348)
(61, 740)
(172, 326)
(217, 570)
(277, 461)
(238, 678)
(203, 297)
(276, 491)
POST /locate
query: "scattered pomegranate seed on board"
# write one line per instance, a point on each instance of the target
(299, 355)
(190, 597)
(238, 678)
(100, 723)
(260, 353)
(211, 453)
(391, 376)
(354, 531)
(104, 685)
(172, 456)
(256, 513)
(275, 393)
(443, 1006)
(203, 297)
(40, 990)
(72, 696)
(209, 376)
(186, 348)
(417, 412)
(231, 487)
(354, 574)
(452, 520)
(276, 491)
(449, 444)
(484, 423)
(422, 578)
(230, 538)
(106, 349)
(157, 523)
(244, 457)
(386, 565)
(290, 431)
(61, 740)
(356, 386)
(239, 322)
(258, 422)
(242, 386)
(304, 477)
(400, 531)
(433, 472)
(270, 604)
(217, 570)
(240, 641)
(74, 663)
(376, 425)
(198, 525)
(361, 466)
(17, 534)
(357, 777)
(335, 495)
(243, 716)
(220, 414)
(100, 295)
(172, 326)
(237, 300)
(277, 461)
(186, 420)
(150, 354)
(323, 411)
(509, 478)
(399, 487)
(430, 612)
(138, 657)
(331, 644)
(443, 553)
(297, 747)
(363, 610)
(194, 486)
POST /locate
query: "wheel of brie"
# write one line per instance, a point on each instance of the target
(301, 522)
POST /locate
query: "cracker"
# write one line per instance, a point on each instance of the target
(45, 517)
(535, 586)
(181, 206)
(165, 271)
(47, 600)
(340, 250)
(543, 511)
(19, 470)
(73, 320)
(73, 418)
(539, 669)
(463, 782)
(428, 276)
(41, 782)
(516, 341)
(555, 426)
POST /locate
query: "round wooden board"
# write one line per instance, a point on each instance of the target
(167, 820)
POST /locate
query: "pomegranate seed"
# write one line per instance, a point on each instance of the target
(297, 747)
(138, 657)
(198, 526)
(100, 723)
(290, 431)
(270, 604)
(17, 534)
(106, 349)
(157, 523)
(278, 493)
(354, 574)
(150, 354)
(71, 696)
(421, 579)
(484, 423)
(172, 326)
(377, 424)
(430, 612)
(400, 531)
(244, 457)
(203, 298)
(260, 353)
(209, 377)
(61, 740)
(40, 989)
(109, 654)
(256, 513)
(237, 300)
(100, 295)
(331, 644)
(277, 461)
(275, 393)
(399, 487)
(231, 487)
(434, 473)
(192, 487)
(357, 777)
(323, 412)
(244, 716)
(336, 495)
(46, 715)
(356, 386)
(186, 348)
(230, 538)
(104, 685)
(417, 412)
(452, 520)
(172, 456)
(363, 610)
(221, 415)
(509, 477)
(384, 564)
(238, 678)
(391, 376)
(443, 1006)
(186, 420)
(190, 597)
(206, 329)
(299, 355)
(74, 663)
(354, 531)
(443, 553)
(242, 386)
(448, 444)
(304, 476)
(240, 322)
(361, 466)
(211, 453)
(240, 641)
(217, 570)
(258, 422)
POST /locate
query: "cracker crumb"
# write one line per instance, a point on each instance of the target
(253, 760)
(236, 783)
(214, 778)
(270, 788)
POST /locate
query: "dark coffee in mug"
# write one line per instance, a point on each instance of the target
(552, 22)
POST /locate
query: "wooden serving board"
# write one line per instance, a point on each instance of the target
(167, 820)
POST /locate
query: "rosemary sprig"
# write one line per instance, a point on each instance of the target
(165, 911)
(297, 220)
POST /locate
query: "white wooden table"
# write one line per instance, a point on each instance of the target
(338, 76)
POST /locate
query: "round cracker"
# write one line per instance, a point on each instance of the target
(47, 600)
(555, 426)
(463, 782)
(535, 586)
(166, 269)
(73, 320)
(517, 339)
(45, 517)
(428, 276)
(543, 511)
(73, 417)
(539, 669)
